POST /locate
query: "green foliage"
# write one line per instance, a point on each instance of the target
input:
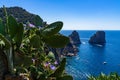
(57, 41)
(59, 71)
(28, 45)
(22, 61)
(37, 21)
(51, 55)
(19, 34)
(35, 41)
(111, 76)
(12, 38)
(12, 25)
(52, 29)
(21, 15)
(7, 42)
(49, 35)
(2, 27)
(67, 77)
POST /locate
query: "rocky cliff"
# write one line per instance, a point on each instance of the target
(74, 38)
(98, 38)
(71, 48)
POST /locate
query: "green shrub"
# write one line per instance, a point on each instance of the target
(102, 76)
(30, 44)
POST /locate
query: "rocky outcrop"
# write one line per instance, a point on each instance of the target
(74, 38)
(98, 38)
(71, 48)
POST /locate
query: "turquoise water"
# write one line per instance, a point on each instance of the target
(90, 59)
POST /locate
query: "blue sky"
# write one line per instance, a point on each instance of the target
(76, 14)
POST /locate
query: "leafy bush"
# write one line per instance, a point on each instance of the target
(102, 76)
(22, 45)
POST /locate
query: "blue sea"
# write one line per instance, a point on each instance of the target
(90, 59)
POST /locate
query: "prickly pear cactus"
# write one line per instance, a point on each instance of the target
(3, 65)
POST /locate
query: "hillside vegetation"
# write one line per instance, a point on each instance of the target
(21, 15)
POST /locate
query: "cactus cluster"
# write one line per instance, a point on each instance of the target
(20, 44)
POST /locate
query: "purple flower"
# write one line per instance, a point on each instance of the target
(55, 62)
(31, 25)
(52, 67)
(49, 63)
(46, 64)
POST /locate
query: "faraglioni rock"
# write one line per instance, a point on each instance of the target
(71, 49)
(98, 38)
(75, 38)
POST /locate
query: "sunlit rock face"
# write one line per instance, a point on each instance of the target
(98, 38)
(75, 38)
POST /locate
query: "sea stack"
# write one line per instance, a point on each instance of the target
(98, 38)
(71, 49)
(75, 38)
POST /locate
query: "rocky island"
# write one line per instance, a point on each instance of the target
(75, 38)
(98, 38)
(71, 49)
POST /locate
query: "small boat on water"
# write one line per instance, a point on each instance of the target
(104, 62)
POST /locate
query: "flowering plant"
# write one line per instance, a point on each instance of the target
(26, 52)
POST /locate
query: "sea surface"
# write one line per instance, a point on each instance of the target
(91, 58)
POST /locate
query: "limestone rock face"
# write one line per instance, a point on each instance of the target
(98, 38)
(75, 38)
(71, 49)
